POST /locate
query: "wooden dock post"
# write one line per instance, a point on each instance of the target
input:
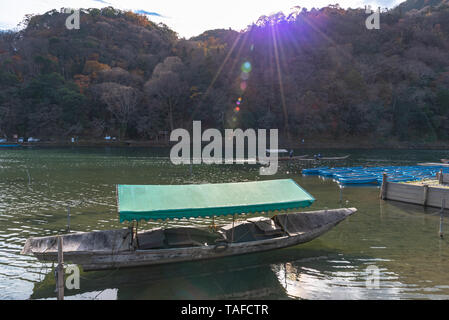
(443, 204)
(233, 222)
(60, 270)
(425, 195)
(383, 188)
(440, 177)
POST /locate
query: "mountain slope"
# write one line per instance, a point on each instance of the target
(316, 74)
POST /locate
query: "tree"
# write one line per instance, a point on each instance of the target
(167, 86)
(121, 101)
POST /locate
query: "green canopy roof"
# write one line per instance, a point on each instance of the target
(152, 202)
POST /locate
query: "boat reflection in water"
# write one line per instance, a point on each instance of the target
(215, 279)
(209, 279)
(299, 272)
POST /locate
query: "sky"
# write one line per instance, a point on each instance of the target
(187, 18)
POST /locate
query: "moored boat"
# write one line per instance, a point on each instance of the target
(313, 171)
(286, 158)
(9, 145)
(326, 158)
(130, 247)
(293, 158)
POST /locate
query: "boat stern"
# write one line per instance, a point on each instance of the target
(27, 247)
(303, 222)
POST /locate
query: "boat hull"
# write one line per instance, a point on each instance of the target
(97, 260)
(326, 158)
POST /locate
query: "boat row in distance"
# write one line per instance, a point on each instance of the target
(302, 157)
(374, 175)
(9, 145)
(285, 151)
(325, 158)
(129, 247)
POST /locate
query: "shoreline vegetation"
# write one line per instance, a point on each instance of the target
(314, 144)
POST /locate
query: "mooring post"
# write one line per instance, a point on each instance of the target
(425, 195)
(383, 188)
(443, 204)
(341, 195)
(60, 270)
(440, 177)
(233, 222)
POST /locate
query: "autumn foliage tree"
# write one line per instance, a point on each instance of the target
(121, 101)
(314, 74)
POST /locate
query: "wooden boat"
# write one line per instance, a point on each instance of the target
(129, 248)
(249, 160)
(285, 158)
(327, 158)
(358, 180)
(118, 248)
(293, 158)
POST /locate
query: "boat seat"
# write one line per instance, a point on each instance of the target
(151, 239)
(188, 236)
(184, 243)
(247, 231)
(266, 225)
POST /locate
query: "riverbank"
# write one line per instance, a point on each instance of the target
(283, 143)
(367, 144)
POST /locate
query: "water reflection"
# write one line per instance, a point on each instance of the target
(227, 278)
(254, 276)
(313, 275)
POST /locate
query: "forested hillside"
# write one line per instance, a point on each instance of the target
(313, 74)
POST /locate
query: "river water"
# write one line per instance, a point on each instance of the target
(398, 241)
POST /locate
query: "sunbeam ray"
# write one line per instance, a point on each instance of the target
(281, 85)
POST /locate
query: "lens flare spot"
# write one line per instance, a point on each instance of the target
(243, 86)
(244, 76)
(237, 109)
(246, 67)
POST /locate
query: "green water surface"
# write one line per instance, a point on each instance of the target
(401, 240)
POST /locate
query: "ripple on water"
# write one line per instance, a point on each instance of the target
(37, 185)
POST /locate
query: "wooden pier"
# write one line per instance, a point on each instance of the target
(434, 164)
(432, 194)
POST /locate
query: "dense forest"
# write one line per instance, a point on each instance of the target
(314, 74)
